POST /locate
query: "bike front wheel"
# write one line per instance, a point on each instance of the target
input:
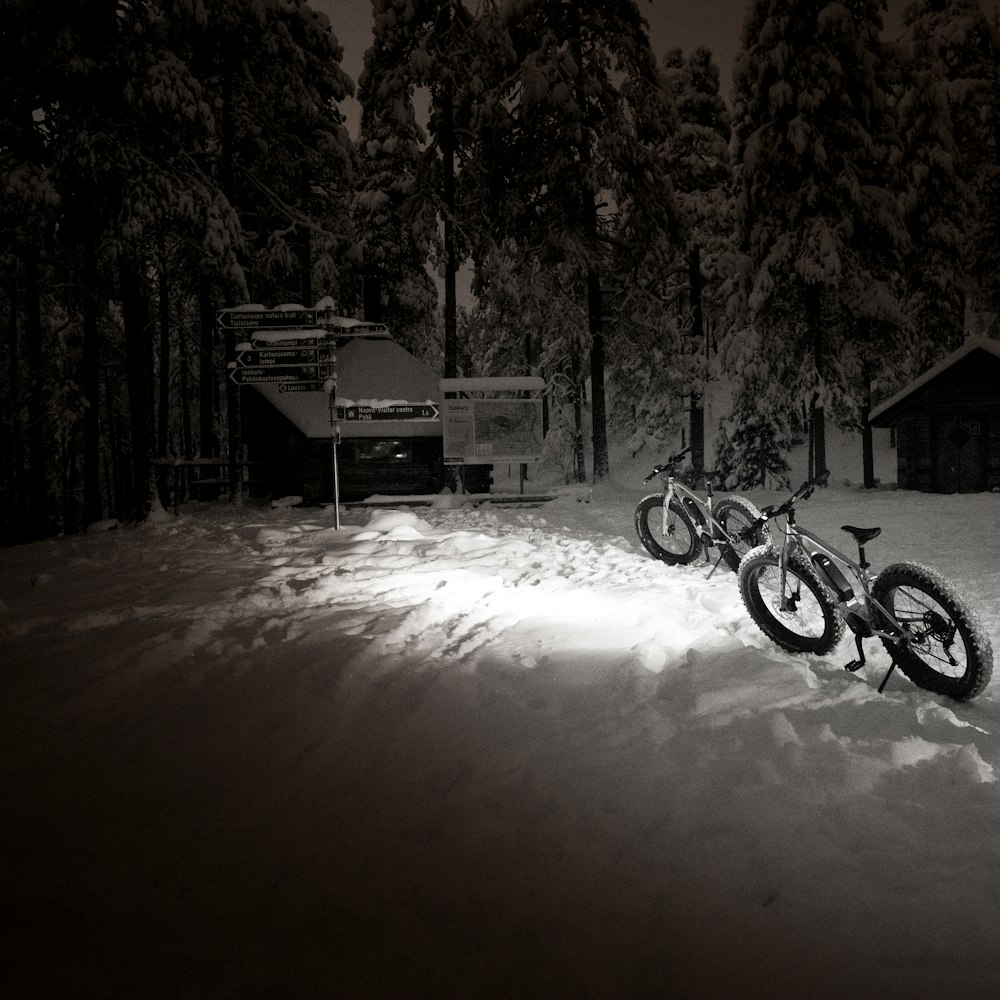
(802, 616)
(671, 539)
(735, 514)
(946, 650)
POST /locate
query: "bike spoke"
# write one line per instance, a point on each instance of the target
(800, 611)
(931, 631)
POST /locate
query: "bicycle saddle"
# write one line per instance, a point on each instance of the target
(861, 535)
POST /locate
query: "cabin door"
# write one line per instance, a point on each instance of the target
(961, 454)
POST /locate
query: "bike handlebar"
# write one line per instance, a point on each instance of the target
(673, 460)
(804, 492)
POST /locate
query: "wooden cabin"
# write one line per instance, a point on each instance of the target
(947, 423)
(387, 408)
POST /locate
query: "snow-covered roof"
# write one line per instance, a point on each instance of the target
(971, 345)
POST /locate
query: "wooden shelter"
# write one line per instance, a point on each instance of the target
(387, 410)
(947, 423)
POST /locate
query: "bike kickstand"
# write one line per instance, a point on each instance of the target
(888, 674)
(716, 566)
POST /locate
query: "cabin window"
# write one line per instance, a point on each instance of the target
(384, 450)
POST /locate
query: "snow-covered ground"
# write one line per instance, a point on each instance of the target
(480, 752)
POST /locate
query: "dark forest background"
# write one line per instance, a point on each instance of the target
(631, 236)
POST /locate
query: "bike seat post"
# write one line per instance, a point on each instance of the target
(862, 561)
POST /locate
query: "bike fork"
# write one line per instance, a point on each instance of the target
(668, 495)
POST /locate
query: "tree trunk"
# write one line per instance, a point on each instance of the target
(115, 452)
(305, 262)
(697, 411)
(576, 376)
(136, 322)
(595, 305)
(187, 446)
(163, 414)
(818, 424)
(599, 423)
(208, 443)
(16, 510)
(447, 140)
(446, 136)
(234, 431)
(867, 444)
(234, 427)
(305, 249)
(817, 413)
(38, 470)
(93, 509)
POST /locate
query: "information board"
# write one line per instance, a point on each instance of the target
(491, 431)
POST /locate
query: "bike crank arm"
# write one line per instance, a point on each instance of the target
(896, 638)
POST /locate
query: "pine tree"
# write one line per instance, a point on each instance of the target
(141, 132)
(816, 214)
(582, 151)
(28, 213)
(528, 318)
(701, 174)
(394, 251)
(948, 72)
(429, 46)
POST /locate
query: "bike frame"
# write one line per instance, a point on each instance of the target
(862, 620)
(672, 488)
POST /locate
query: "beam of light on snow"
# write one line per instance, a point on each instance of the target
(406, 582)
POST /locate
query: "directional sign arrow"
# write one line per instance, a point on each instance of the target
(395, 411)
(266, 319)
(274, 373)
(277, 342)
(301, 387)
(278, 356)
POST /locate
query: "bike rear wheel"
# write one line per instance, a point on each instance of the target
(948, 651)
(803, 619)
(736, 514)
(675, 542)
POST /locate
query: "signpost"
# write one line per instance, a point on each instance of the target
(290, 353)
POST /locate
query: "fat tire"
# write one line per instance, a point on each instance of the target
(978, 649)
(749, 575)
(653, 505)
(734, 503)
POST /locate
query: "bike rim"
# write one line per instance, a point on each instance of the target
(803, 615)
(676, 539)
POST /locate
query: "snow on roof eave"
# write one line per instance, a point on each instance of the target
(974, 343)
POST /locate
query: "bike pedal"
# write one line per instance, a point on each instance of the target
(854, 666)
